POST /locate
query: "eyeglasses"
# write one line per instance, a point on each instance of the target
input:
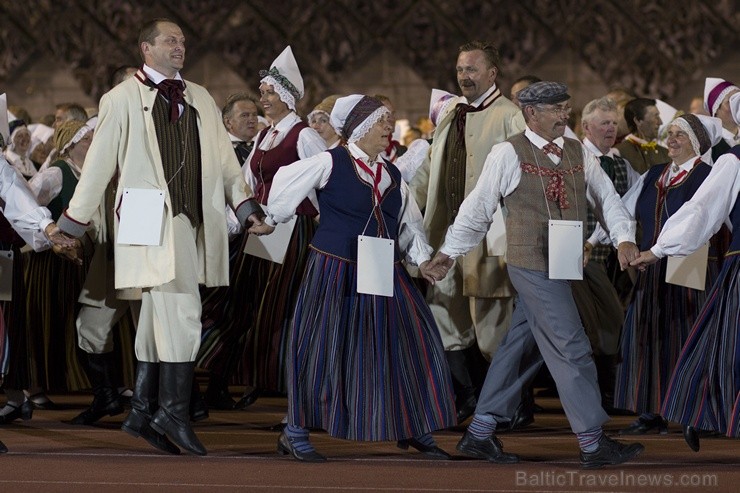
(556, 110)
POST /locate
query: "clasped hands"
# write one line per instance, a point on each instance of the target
(436, 269)
(63, 245)
(259, 227)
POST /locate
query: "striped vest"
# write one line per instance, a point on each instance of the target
(179, 144)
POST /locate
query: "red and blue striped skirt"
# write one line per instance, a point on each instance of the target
(704, 391)
(656, 326)
(365, 367)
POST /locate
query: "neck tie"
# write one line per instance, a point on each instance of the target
(608, 164)
(462, 110)
(554, 149)
(172, 89)
(242, 150)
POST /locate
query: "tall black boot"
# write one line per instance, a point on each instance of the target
(198, 406)
(106, 401)
(173, 417)
(462, 384)
(144, 403)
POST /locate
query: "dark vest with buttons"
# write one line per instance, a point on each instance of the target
(179, 142)
(69, 183)
(265, 164)
(526, 211)
(346, 203)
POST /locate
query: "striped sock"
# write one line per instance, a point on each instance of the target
(648, 416)
(426, 439)
(589, 439)
(482, 426)
(299, 438)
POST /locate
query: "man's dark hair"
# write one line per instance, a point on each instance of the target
(636, 109)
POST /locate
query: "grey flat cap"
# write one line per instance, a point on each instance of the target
(543, 93)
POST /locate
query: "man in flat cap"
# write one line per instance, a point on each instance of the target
(541, 176)
(473, 305)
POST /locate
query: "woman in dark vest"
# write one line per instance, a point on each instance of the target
(661, 314)
(361, 366)
(22, 221)
(53, 284)
(704, 391)
(251, 335)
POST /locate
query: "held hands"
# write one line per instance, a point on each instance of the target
(63, 245)
(627, 251)
(436, 269)
(259, 227)
(646, 258)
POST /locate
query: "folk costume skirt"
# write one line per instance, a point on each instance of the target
(656, 326)
(365, 367)
(704, 391)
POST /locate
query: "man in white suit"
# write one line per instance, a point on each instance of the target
(473, 305)
(161, 135)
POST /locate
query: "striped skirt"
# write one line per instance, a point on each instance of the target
(248, 334)
(365, 367)
(53, 285)
(704, 390)
(656, 326)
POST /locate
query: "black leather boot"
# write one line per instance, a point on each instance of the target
(198, 406)
(173, 416)
(462, 384)
(106, 401)
(144, 403)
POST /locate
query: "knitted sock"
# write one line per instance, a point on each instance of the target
(648, 416)
(589, 439)
(298, 438)
(426, 439)
(482, 426)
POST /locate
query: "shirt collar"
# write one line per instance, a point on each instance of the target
(287, 122)
(595, 150)
(540, 141)
(482, 97)
(157, 77)
(687, 165)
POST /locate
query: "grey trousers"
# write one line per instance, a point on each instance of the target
(546, 316)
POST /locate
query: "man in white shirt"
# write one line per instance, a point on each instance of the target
(541, 176)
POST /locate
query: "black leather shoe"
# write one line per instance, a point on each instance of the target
(643, 426)
(24, 412)
(137, 425)
(431, 451)
(489, 449)
(285, 447)
(247, 399)
(219, 399)
(691, 435)
(466, 409)
(3, 448)
(106, 402)
(42, 401)
(609, 453)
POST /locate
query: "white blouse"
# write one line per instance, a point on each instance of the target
(21, 209)
(293, 183)
(702, 216)
(47, 184)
